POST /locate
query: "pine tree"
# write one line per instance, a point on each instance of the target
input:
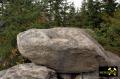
(65, 12)
(72, 16)
(1, 7)
(53, 10)
(56, 11)
(84, 14)
(110, 6)
(21, 11)
(91, 11)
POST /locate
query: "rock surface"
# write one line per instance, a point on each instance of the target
(66, 50)
(28, 71)
(2, 73)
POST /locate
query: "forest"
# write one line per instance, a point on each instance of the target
(100, 17)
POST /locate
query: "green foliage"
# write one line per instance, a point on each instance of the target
(57, 12)
(9, 55)
(20, 15)
(102, 19)
(91, 14)
(21, 12)
(109, 6)
(109, 34)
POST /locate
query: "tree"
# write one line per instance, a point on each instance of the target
(110, 6)
(19, 16)
(84, 14)
(21, 11)
(65, 13)
(2, 3)
(91, 12)
(57, 11)
(1, 7)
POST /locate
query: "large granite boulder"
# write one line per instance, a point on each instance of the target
(66, 50)
(28, 71)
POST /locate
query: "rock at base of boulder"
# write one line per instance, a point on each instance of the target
(2, 73)
(29, 71)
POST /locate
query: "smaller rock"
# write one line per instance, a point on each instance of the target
(29, 71)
